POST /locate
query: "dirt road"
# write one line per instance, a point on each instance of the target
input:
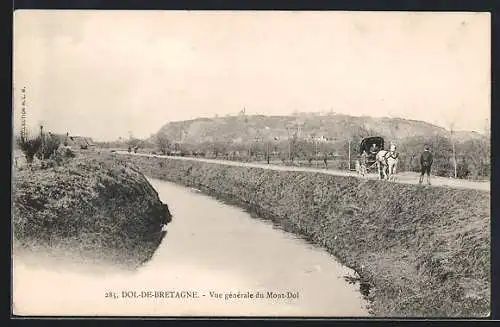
(404, 177)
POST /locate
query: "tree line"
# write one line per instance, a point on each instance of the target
(472, 156)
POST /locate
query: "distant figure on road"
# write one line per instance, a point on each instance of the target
(426, 162)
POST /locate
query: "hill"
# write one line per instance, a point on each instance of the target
(288, 139)
(338, 127)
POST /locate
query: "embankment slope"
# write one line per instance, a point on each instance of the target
(421, 251)
(101, 210)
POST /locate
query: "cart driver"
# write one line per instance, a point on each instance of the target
(364, 158)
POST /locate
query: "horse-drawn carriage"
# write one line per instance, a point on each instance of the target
(371, 145)
(372, 153)
(368, 149)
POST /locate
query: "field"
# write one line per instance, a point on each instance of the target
(402, 177)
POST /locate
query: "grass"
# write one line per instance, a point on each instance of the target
(420, 252)
(102, 209)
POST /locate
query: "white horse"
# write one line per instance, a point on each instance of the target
(387, 163)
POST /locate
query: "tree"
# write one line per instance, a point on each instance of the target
(162, 142)
(219, 147)
(475, 156)
(29, 146)
(50, 144)
(134, 143)
(293, 146)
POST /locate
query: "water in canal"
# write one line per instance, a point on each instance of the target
(216, 255)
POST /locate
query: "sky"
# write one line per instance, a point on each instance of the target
(106, 74)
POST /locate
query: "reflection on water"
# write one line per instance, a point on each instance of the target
(210, 248)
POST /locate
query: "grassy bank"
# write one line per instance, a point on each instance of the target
(420, 251)
(97, 209)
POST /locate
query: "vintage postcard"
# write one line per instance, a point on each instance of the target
(251, 163)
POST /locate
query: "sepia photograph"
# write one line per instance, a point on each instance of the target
(325, 164)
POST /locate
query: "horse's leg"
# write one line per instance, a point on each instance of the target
(383, 174)
(384, 171)
(394, 170)
(389, 171)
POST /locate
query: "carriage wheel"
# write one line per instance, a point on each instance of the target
(357, 166)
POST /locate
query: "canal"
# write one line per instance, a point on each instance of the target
(216, 260)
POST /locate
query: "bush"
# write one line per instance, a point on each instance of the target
(68, 153)
(46, 148)
(92, 209)
(29, 146)
(61, 156)
(463, 169)
(49, 146)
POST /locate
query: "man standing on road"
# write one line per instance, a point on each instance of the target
(426, 163)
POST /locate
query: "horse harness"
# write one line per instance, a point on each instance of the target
(390, 154)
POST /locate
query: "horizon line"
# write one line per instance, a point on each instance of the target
(249, 114)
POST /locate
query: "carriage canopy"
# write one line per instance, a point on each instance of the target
(367, 142)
